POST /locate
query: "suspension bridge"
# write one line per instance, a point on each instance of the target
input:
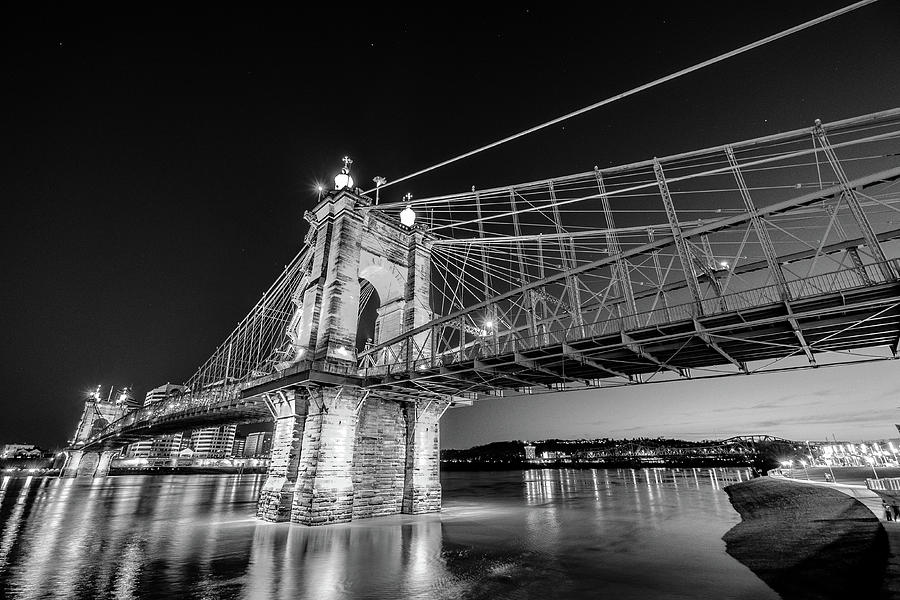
(757, 256)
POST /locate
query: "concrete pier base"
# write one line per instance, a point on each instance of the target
(324, 492)
(73, 460)
(81, 463)
(277, 496)
(104, 463)
(379, 459)
(422, 474)
(340, 455)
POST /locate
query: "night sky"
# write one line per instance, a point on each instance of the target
(156, 167)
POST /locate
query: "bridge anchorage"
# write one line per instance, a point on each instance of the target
(758, 256)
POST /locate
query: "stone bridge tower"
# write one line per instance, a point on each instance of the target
(96, 415)
(338, 451)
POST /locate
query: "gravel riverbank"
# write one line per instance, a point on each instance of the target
(808, 541)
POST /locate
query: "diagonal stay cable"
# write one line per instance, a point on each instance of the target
(640, 88)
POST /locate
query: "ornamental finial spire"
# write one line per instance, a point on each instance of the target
(343, 179)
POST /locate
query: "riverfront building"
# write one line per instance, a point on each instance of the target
(861, 454)
(529, 452)
(165, 446)
(237, 450)
(163, 392)
(126, 398)
(213, 442)
(258, 445)
(12, 450)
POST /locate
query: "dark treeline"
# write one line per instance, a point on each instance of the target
(606, 452)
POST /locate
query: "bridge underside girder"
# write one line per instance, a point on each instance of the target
(838, 322)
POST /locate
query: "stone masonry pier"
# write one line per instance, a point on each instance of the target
(338, 455)
(80, 463)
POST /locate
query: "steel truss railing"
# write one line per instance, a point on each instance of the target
(441, 345)
(514, 287)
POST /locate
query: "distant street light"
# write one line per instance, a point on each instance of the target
(787, 464)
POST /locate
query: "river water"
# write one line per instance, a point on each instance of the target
(592, 533)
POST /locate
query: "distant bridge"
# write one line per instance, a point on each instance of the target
(737, 446)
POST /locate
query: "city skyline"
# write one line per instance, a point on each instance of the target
(164, 189)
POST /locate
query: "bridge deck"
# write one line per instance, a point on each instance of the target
(849, 319)
(860, 315)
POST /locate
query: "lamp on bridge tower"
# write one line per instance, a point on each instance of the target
(408, 215)
(343, 179)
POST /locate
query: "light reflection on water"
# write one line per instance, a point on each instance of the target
(647, 533)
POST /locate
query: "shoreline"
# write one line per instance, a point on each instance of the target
(808, 541)
(450, 468)
(518, 466)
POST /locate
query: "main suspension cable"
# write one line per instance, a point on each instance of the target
(640, 88)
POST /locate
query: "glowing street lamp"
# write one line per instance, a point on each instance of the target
(408, 215)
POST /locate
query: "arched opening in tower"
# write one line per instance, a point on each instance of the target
(369, 302)
(98, 425)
